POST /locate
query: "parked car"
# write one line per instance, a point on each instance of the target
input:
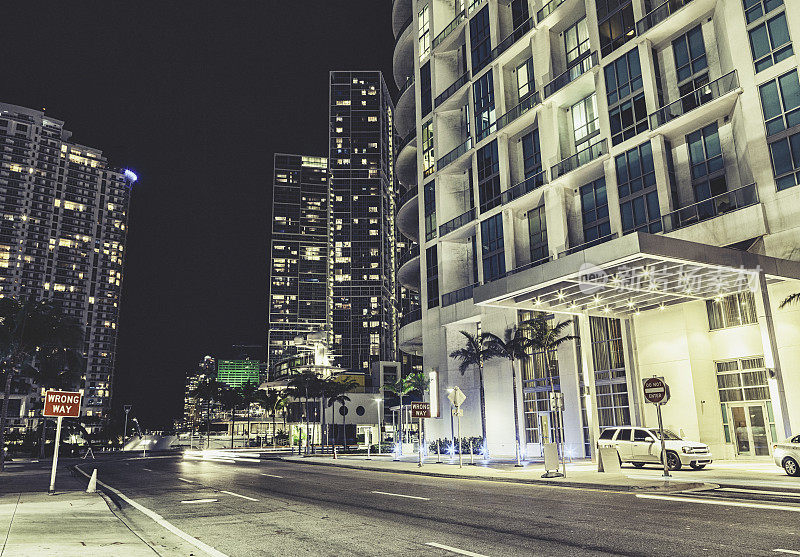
(640, 446)
(787, 455)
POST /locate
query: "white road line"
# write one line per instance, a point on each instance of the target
(271, 475)
(148, 469)
(760, 491)
(455, 549)
(790, 551)
(193, 501)
(721, 502)
(185, 480)
(158, 519)
(237, 495)
(401, 495)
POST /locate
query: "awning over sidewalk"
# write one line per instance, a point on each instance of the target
(634, 273)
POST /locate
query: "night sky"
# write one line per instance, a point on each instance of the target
(195, 97)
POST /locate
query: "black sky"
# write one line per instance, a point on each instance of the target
(196, 97)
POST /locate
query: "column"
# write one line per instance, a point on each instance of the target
(587, 367)
(632, 375)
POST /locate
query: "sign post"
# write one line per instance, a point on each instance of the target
(656, 392)
(420, 410)
(457, 398)
(60, 404)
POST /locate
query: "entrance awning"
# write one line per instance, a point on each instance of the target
(634, 273)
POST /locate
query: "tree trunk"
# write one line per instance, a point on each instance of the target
(208, 424)
(43, 440)
(344, 430)
(322, 433)
(483, 406)
(233, 424)
(248, 424)
(3, 418)
(516, 407)
(402, 439)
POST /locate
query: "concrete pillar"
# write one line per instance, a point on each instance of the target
(632, 375)
(587, 367)
(772, 362)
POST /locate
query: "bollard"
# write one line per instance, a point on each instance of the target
(92, 482)
(438, 453)
(471, 453)
(334, 452)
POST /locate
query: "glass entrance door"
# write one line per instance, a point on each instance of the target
(750, 430)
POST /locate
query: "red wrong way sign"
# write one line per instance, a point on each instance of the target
(420, 409)
(655, 390)
(62, 403)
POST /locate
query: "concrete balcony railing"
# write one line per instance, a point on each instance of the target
(457, 21)
(582, 157)
(408, 84)
(712, 207)
(524, 106)
(526, 186)
(408, 255)
(403, 29)
(547, 9)
(447, 93)
(458, 222)
(407, 139)
(695, 99)
(659, 14)
(407, 196)
(454, 154)
(582, 65)
(506, 43)
(410, 317)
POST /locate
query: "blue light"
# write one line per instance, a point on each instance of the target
(130, 175)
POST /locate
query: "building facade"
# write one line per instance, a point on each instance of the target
(300, 282)
(62, 234)
(627, 166)
(362, 231)
(235, 373)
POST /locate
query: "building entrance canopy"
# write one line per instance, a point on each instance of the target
(634, 273)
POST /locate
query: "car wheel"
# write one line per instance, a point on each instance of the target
(638, 464)
(673, 461)
(696, 466)
(790, 466)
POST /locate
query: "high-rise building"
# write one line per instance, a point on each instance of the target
(363, 240)
(64, 213)
(630, 167)
(300, 281)
(235, 373)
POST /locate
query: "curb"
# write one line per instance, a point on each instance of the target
(674, 487)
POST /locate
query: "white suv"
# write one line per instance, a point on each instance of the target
(640, 446)
(787, 455)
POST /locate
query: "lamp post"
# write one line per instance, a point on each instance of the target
(452, 429)
(380, 432)
(127, 408)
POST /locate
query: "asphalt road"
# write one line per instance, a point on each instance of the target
(284, 508)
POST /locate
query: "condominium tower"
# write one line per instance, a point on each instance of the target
(62, 234)
(299, 285)
(630, 167)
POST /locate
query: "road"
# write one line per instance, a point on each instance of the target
(284, 508)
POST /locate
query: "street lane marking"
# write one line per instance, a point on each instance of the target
(401, 495)
(455, 549)
(271, 475)
(193, 501)
(237, 495)
(148, 469)
(791, 551)
(158, 519)
(720, 502)
(187, 481)
(760, 491)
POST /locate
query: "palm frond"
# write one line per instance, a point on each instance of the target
(790, 299)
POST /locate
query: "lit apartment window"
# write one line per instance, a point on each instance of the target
(627, 112)
(732, 311)
(780, 102)
(424, 32)
(616, 24)
(576, 42)
(525, 85)
(428, 157)
(613, 408)
(483, 97)
(770, 42)
(585, 122)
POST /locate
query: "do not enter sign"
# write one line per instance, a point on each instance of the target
(62, 404)
(655, 390)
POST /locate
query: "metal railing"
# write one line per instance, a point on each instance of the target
(530, 265)
(527, 185)
(524, 106)
(659, 14)
(454, 154)
(506, 43)
(439, 39)
(700, 96)
(409, 194)
(410, 136)
(403, 29)
(712, 207)
(582, 65)
(408, 255)
(410, 317)
(587, 245)
(450, 298)
(547, 9)
(457, 84)
(458, 222)
(580, 158)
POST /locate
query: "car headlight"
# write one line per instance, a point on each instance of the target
(686, 449)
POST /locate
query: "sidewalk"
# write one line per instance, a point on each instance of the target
(69, 523)
(582, 474)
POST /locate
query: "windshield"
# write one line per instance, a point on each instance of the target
(668, 435)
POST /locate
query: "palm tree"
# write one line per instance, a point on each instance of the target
(400, 388)
(547, 337)
(303, 385)
(514, 347)
(249, 392)
(232, 398)
(209, 390)
(419, 384)
(30, 331)
(790, 299)
(475, 353)
(337, 390)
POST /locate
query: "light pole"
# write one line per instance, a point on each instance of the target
(380, 430)
(127, 408)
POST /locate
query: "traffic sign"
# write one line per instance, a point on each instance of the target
(656, 390)
(457, 397)
(420, 409)
(62, 404)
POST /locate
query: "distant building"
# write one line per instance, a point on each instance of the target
(63, 225)
(236, 373)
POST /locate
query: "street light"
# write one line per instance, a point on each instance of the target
(127, 408)
(380, 435)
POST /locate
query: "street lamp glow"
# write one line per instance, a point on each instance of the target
(130, 175)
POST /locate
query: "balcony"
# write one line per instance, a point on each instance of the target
(452, 26)
(403, 29)
(450, 91)
(582, 157)
(456, 296)
(506, 43)
(547, 9)
(409, 194)
(403, 56)
(458, 222)
(659, 14)
(587, 245)
(410, 136)
(526, 186)
(454, 154)
(410, 317)
(408, 271)
(710, 208)
(407, 220)
(579, 67)
(697, 98)
(524, 106)
(408, 255)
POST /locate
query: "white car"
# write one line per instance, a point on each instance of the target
(787, 455)
(640, 446)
